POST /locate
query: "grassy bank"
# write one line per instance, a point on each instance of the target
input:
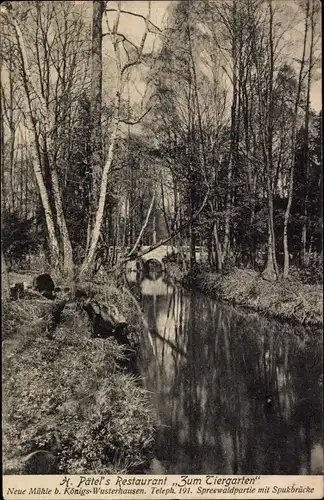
(66, 393)
(290, 300)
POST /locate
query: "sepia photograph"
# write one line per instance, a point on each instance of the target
(161, 238)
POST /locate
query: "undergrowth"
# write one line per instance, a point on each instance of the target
(64, 391)
(291, 299)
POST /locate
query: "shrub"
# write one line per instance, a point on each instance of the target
(19, 238)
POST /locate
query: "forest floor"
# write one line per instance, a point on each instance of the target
(289, 300)
(68, 393)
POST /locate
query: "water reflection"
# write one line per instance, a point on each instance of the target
(233, 394)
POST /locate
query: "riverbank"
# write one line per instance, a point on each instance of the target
(288, 300)
(67, 393)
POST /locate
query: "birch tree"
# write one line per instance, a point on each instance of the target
(30, 122)
(127, 55)
(96, 107)
(301, 76)
(10, 100)
(49, 54)
(314, 10)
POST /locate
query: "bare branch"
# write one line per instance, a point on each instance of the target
(135, 15)
(123, 38)
(135, 122)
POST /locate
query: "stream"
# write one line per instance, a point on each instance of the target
(233, 393)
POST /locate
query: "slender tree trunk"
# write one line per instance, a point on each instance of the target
(293, 149)
(218, 248)
(33, 139)
(117, 231)
(229, 188)
(306, 142)
(12, 167)
(88, 263)
(154, 230)
(21, 184)
(26, 180)
(234, 139)
(96, 103)
(5, 284)
(52, 239)
(90, 256)
(165, 215)
(61, 223)
(12, 140)
(272, 237)
(2, 160)
(271, 270)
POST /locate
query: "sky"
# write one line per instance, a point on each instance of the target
(132, 27)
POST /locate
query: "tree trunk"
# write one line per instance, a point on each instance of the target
(61, 223)
(87, 265)
(96, 103)
(5, 284)
(306, 143)
(266, 130)
(218, 248)
(32, 136)
(12, 140)
(272, 238)
(2, 161)
(234, 139)
(229, 180)
(165, 213)
(52, 239)
(12, 168)
(293, 149)
(269, 272)
(154, 229)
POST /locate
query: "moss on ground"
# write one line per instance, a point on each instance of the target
(64, 391)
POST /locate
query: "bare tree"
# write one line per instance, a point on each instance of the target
(133, 58)
(11, 113)
(49, 70)
(30, 124)
(306, 157)
(301, 75)
(96, 106)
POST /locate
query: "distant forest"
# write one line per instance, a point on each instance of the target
(221, 148)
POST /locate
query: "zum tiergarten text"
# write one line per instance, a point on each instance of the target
(185, 480)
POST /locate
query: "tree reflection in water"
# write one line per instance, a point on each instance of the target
(233, 393)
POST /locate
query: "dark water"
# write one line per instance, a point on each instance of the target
(233, 393)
